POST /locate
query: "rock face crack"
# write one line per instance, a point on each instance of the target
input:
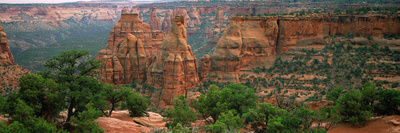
(277, 49)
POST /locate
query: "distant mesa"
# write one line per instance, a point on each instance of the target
(248, 42)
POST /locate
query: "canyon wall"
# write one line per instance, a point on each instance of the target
(175, 67)
(248, 42)
(130, 44)
(6, 57)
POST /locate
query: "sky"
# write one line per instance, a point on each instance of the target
(38, 1)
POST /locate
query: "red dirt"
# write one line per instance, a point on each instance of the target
(380, 125)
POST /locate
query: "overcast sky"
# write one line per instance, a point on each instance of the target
(39, 1)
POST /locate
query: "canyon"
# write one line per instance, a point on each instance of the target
(163, 50)
(136, 52)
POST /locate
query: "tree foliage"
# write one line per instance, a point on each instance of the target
(236, 97)
(182, 113)
(136, 104)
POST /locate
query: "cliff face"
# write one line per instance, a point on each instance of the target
(253, 41)
(295, 33)
(154, 22)
(6, 57)
(175, 67)
(130, 44)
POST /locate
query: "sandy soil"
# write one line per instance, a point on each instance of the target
(380, 125)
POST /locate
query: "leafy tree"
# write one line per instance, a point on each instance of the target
(72, 71)
(334, 95)
(217, 127)
(327, 118)
(182, 113)
(259, 118)
(369, 94)
(85, 122)
(352, 109)
(136, 104)
(233, 97)
(389, 102)
(39, 125)
(305, 116)
(114, 96)
(210, 105)
(43, 95)
(233, 122)
(24, 120)
(21, 111)
(15, 127)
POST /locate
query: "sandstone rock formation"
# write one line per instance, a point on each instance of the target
(210, 34)
(181, 10)
(154, 22)
(167, 23)
(135, 9)
(205, 66)
(241, 44)
(175, 67)
(251, 41)
(125, 9)
(219, 17)
(6, 57)
(194, 17)
(130, 44)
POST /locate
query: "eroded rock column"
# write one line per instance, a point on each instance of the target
(175, 67)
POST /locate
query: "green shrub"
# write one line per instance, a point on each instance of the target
(235, 97)
(136, 104)
(182, 113)
(389, 102)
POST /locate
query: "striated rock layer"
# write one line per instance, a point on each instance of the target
(154, 22)
(6, 57)
(175, 67)
(252, 41)
(130, 44)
